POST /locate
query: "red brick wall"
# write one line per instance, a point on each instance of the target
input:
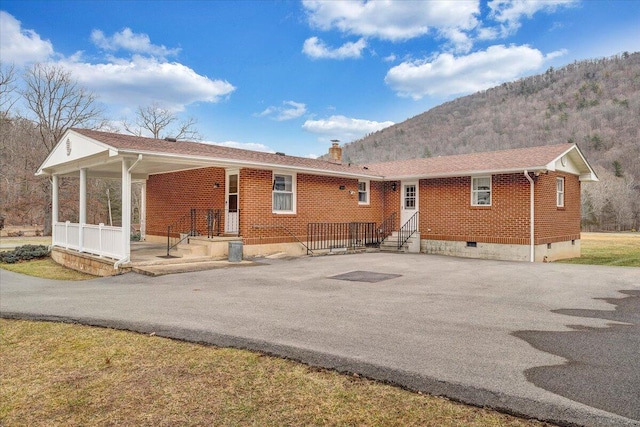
(446, 212)
(171, 196)
(319, 199)
(555, 224)
(445, 206)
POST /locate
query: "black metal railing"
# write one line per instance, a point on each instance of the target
(407, 230)
(286, 230)
(341, 235)
(198, 222)
(387, 227)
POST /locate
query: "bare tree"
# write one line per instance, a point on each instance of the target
(158, 121)
(7, 87)
(58, 103)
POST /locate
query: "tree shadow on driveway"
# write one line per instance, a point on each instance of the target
(603, 364)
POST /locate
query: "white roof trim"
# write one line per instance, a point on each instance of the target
(257, 165)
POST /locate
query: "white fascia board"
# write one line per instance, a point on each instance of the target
(45, 169)
(589, 177)
(465, 173)
(76, 165)
(221, 162)
(587, 172)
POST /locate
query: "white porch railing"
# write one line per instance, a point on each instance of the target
(102, 240)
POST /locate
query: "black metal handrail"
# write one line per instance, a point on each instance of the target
(387, 227)
(341, 235)
(407, 230)
(198, 222)
(289, 232)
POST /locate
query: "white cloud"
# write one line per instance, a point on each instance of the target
(390, 58)
(289, 110)
(133, 42)
(316, 49)
(128, 83)
(344, 128)
(21, 46)
(243, 145)
(141, 81)
(394, 21)
(509, 13)
(449, 75)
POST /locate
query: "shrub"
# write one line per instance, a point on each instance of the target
(24, 253)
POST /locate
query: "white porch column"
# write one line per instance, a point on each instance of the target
(83, 206)
(143, 211)
(126, 209)
(54, 207)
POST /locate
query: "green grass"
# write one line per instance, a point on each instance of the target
(56, 374)
(617, 249)
(46, 268)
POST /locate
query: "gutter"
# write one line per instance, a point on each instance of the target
(128, 257)
(532, 218)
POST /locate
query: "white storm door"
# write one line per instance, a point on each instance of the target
(408, 201)
(232, 201)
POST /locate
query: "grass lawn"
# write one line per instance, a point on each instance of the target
(46, 268)
(621, 249)
(64, 374)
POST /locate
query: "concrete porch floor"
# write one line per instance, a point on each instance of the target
(150, 259)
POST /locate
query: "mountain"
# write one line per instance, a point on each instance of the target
(594, 103)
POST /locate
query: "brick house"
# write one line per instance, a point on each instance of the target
(521, 204)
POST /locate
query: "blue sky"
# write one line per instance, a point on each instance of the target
(290, 76)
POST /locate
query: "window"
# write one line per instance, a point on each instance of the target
(409, 196)
(284, 193)
(560, 192)
(481, 191)
(363, 192)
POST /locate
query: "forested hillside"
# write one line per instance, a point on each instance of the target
(594, 103)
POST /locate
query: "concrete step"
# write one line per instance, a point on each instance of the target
(190, 250)
(391, 245)
(188, 267)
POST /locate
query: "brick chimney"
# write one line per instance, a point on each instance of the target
(335, 153)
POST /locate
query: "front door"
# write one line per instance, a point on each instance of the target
(232, 194)
(408, 201)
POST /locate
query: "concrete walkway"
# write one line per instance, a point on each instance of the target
(436, 324)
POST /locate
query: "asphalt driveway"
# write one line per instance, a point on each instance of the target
(442, 325)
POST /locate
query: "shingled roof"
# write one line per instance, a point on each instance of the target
(137, 144)
(160, 156)
(505, 161)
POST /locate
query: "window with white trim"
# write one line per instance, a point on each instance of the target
(560, 192)
(284, 193)
(363, 192)
(481, 191)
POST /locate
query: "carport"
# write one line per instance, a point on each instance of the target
(79, 156)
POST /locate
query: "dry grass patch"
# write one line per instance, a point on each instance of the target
(61, 374)
(621, 249)
(47, 269)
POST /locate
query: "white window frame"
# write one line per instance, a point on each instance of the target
(475, 192)
(293, 192)
(367, 191)
(560, 192)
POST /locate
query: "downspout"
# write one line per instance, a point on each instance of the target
(128, 257)
(532, 218)
(135, 163)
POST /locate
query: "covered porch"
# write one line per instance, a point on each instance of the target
(77, 156)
